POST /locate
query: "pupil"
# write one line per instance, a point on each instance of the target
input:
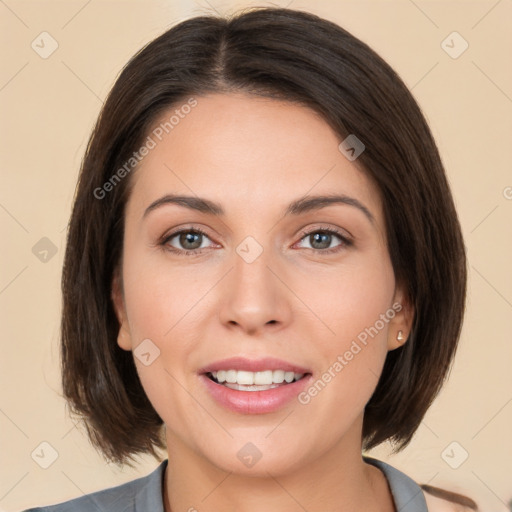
(188, 238)
(318, 237)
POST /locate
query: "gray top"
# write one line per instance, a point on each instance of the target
(145, 494)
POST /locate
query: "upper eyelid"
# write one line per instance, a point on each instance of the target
(336, 231)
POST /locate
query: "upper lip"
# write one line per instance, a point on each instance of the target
(253, 365)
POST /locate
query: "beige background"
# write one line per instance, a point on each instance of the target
(48, 109)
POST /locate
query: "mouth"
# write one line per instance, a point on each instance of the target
(242, 380)
(254, 386)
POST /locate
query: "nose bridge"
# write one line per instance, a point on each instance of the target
(252, 278)
(253, 296)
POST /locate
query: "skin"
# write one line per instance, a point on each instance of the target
(254, 156)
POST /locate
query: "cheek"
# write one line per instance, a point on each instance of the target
(165, 304)
(160, 298)
(162, 306)
(353, 300)
(356, 306)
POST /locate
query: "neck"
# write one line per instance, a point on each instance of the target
(337, 480)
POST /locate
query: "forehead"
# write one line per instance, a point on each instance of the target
(245, 152)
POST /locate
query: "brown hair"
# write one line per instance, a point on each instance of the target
(454, 497)
(296, 56)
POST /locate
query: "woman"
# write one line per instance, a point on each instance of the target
(264, 272)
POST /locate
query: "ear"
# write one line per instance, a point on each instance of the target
(123, 338)
(400, 325)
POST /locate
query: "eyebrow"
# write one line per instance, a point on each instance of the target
(298, 207)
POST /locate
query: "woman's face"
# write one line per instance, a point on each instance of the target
(302, 289)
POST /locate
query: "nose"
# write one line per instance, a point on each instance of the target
(254, 295)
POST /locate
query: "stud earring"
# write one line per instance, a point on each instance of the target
(400, 336)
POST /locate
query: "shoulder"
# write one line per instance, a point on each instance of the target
(407, 494)
(411, 497)
(142, 494)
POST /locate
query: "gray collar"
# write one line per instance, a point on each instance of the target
(407, 494)
(145, 494)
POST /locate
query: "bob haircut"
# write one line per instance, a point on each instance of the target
(287, 55)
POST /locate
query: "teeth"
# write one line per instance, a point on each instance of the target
(278, 376)
(246, 378)
(264, 378)
(231, 376)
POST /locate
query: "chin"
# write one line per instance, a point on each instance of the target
(256, 456)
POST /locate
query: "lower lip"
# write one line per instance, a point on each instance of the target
(255, 402)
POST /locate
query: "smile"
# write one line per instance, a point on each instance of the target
(254, 381)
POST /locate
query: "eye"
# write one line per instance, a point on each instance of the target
(320, 240)
(192, 241)
(188, 241)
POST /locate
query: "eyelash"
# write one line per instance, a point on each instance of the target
(345, 241)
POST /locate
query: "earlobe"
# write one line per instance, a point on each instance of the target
(123, 337)
(397, 337)
(400, 326)
(401, 338)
